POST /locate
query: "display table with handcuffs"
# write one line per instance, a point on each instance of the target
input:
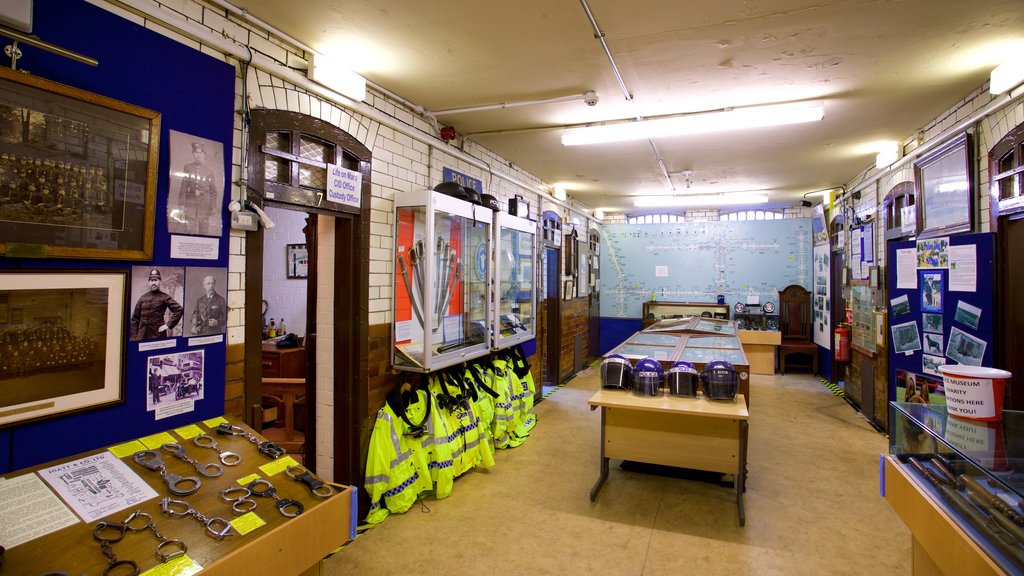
(259, 513)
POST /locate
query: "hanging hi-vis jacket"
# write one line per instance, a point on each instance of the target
(454, 399)
(397, 469)
(526, 419)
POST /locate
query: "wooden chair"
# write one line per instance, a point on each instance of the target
(795, 324)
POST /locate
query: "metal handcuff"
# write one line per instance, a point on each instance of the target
(239, 498)
(226, 458)
(211, 470)
(107, 533)
(217, 528)
(177, 485)
(266, 447)
(318, 487)
(264, 489)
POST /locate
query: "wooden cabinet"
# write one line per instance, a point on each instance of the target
(283, 362)
(760, 346)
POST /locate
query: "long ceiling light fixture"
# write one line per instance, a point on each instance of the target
(698, 123)
(723, 199)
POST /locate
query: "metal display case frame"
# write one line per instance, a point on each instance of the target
(508, 331)
(440, 306)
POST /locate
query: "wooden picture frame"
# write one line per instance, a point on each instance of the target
(296, 261)
(78, 172)
(944, 179)
(63, 351)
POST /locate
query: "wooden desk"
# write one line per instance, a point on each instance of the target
(760, 346)
(283, 362)
(684, 432)
(283, 546)
(289, 390)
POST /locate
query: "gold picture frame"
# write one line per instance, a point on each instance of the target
(78, 172)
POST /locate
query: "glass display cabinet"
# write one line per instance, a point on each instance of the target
(440, 312)
(515, 296)
(654, 311)
(958, 485)
(756, 316)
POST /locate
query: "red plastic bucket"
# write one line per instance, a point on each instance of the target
(974, 392)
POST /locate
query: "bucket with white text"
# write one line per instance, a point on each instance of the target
(974, 392)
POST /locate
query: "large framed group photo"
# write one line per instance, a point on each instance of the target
(78, 172)
(61, 342)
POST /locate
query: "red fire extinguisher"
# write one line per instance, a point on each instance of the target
(841, 350)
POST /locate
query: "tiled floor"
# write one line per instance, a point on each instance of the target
(812, 503)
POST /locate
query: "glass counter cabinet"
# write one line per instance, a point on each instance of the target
(959, 486)
(439, 307)
(515, 292)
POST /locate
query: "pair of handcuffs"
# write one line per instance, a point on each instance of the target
(266, 447)
(107, 533)
(216, 528)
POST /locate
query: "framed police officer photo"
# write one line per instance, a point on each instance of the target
(196, 195)
(78, 172)
(61, 342)
(157, 294)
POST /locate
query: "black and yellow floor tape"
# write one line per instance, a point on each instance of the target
(835, 388)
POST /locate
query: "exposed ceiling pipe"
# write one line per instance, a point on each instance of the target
(600, 38)
(502, 105)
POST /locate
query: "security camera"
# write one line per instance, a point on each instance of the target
(590, 98)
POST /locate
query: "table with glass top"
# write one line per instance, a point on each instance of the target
(958, 485)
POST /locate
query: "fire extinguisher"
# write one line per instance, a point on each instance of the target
(841, 350)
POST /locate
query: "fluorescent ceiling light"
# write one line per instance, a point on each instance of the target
(701, 123)
(559, 193)
(334, 75)
(599, 214)
(700, 200)
(889, 154)
(1007, 75)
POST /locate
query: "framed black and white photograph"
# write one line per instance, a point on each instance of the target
(900, 306)
(174, 378)
(932, 323)
(905, 337)
(964, 348)
(945, 188)
(967, 314)
(157, 294)
(933, 343)
(930, 364)
(194, 205)
(78, 172)
(61, 342)
(206, 309)
(296, 261)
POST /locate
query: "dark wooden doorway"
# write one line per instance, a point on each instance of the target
(1010, 306)
(552, 317)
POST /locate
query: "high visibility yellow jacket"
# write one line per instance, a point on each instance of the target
(397, 469)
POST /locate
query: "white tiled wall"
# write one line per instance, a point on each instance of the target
(286, 297)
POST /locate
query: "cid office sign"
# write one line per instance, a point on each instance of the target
(344, 186)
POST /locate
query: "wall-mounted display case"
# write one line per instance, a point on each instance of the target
(515, 295)
(956, 484)
(654, 311)
(440, 306)
(756, 316)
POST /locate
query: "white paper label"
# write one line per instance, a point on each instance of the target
(969, 397)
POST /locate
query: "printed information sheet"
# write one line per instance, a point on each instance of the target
(97, 485)
(28, 510)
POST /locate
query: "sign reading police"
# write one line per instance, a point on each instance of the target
(344, 186)
(461, 179)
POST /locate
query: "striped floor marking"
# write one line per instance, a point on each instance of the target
(835, 388)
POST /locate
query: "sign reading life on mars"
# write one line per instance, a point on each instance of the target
(344, 186)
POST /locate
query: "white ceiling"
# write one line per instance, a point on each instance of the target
(884, 69)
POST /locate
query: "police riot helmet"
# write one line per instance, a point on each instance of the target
(720, 380)
(648, 377)
(682, 379)
(491, 202)
(452, 189)
(616, 372)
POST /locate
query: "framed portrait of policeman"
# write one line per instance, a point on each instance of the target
(196, 198)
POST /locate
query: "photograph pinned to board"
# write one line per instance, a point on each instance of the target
(964, 348)
(900, 305)
(931, 285)
(933, 253)
(919, 388)
(932, 323)
(905, 337)
(178, 376)
(933, 343)
(930, 364)
(967, 314)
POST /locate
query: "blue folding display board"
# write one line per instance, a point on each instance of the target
(943, 333)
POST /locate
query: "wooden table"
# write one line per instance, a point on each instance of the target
(760, 347)
(690, 433)
(289, 390)
(283, 546)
